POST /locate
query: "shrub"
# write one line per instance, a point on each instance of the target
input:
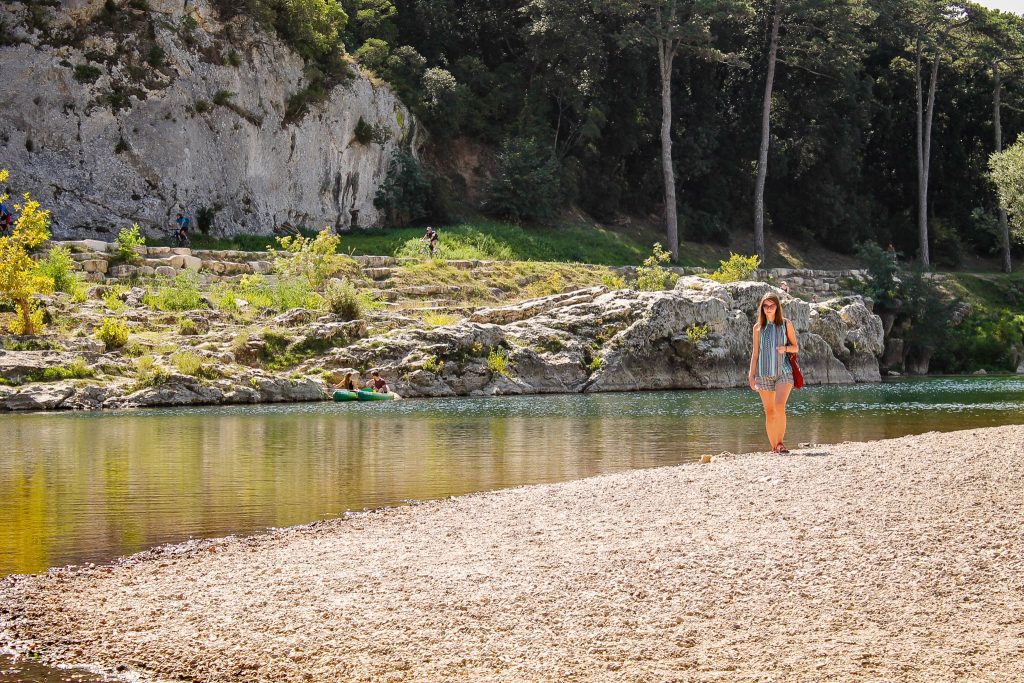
(112, 299)
(60, 267)
(651, 276)
(148, 373)
(344, 300)
(222, 97)
(697, 333)
(736, 268)
(433, 364)
(373, 53)
(87, 73)
(363, 132)
(314, 259)
(497, 361)
(612, 280)
(20, 279)
(188, 327)
(127, 241)
(76, 369)
(191, 363)
(286, 294)
(113, 332)
(205, 215)
(180, 294)
(526, 183)
(883, 283)
(595, 364)
(156, 56)
(202, 106)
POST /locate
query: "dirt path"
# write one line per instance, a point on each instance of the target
(899, 560)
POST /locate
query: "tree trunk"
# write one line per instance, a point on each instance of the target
(1004, 224)
(666, 53)
(922, 163)
(929, 115)
(762, 159)
(24, 307)
(922, 183)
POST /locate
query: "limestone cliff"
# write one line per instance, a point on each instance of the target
(113, 119)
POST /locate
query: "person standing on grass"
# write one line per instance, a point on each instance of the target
(771, 374)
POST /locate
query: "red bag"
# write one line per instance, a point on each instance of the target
(798, 377)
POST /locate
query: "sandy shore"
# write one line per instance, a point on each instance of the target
(899, 560)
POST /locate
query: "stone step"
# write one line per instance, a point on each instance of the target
(375, 261)
(378, 273)
(427, 290)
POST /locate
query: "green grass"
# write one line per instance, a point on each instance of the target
(997, 290)
(505, 242)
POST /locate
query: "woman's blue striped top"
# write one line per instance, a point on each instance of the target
(770, 362)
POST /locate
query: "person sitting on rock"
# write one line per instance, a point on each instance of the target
(378, 384)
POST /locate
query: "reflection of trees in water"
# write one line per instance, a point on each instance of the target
(86, 488)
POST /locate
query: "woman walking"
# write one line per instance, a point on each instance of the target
(771, 374)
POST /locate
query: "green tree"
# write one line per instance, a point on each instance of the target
(999, 44)
(1007, 169)
(671, 27)
(403, 194)
(821, 38)
(525, 185)
(20, 279)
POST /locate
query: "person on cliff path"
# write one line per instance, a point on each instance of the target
(184, 223)
(6, 219)
(431, 238)
(771, 374)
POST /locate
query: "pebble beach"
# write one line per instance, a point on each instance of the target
(896, 560)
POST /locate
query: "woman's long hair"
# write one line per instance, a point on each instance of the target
(762, 319)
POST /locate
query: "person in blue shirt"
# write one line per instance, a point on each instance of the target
(6, 218)
(183, 225)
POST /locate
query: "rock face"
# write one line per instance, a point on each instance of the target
(132, 117)
(696, 336)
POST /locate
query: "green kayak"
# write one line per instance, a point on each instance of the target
(367, 395)
(342, 395)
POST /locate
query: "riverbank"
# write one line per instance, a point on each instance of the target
(897, 559)
(431, 328)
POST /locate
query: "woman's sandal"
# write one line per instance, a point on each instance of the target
(781, 449)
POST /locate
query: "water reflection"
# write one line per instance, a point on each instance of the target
(88, 487)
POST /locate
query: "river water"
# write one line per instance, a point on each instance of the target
(90, 487)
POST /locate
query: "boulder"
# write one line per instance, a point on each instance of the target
(694, 336)
(40, 396)
(94, 266)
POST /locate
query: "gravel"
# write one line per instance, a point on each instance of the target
(898, 560)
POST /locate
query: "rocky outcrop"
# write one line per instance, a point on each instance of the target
(696, 336)
(131, 116)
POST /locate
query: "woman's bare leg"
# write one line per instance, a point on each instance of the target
(780, 398)
(768, 400)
